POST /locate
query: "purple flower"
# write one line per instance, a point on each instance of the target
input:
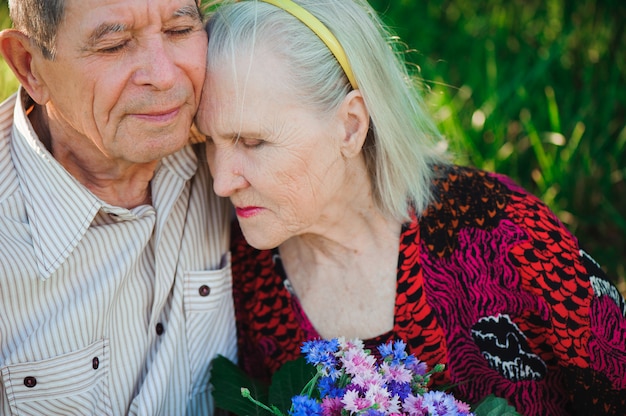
(402, 390)
(372, 412)
(419, 368)
(331, 406)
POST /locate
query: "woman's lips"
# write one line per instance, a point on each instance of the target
(247, 212)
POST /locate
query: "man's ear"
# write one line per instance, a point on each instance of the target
(356, 122)
(21, 56)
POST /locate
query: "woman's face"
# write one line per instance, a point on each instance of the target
(278, 161)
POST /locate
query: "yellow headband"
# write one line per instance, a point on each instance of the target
(321, 31)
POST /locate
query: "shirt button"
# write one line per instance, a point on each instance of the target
(30, 381)
(204, 290)
(95, 363)
(159, 328)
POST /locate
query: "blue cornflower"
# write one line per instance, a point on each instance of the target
(411, 361)
(304, 406)
(399, 350)
(328, 388)
(439, 403)
(395, 352)
(385, 350)
(321, 353)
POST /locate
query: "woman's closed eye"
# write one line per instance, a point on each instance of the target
(235, 140)
(250, 143)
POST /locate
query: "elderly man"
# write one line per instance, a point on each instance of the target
(114, 266)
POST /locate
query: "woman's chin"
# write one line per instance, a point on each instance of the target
(259, 240)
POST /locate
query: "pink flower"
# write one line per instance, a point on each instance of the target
(357, 362)
(379, 394)
(368, 379)
(414, 406)
(462, 407)
(353, 402)
(398, 373)
(354, 344)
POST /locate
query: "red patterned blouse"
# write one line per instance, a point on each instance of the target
(490, 284)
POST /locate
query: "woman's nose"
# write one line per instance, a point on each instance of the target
(226, 168)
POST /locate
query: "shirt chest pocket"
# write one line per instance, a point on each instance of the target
(210, 319)
(70, 384)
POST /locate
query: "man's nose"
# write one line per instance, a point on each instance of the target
(156, 65)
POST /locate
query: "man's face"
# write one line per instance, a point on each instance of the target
(126, 79)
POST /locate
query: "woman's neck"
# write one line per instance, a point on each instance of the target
(345, 279)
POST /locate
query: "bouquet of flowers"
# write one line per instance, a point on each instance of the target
(348, 380)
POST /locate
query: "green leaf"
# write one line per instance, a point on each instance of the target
(227, 380)
(289, 381)
(494, 406)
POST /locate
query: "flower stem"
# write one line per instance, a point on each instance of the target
(310, 385)
(246, 393)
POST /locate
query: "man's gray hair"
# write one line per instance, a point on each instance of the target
(39, 19)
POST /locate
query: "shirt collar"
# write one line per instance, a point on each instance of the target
(59, 209)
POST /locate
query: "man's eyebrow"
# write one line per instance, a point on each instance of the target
(190, 11)
(106, 28)
(103, 30)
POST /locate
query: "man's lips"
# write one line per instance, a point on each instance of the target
(159, 116)
(247, 212)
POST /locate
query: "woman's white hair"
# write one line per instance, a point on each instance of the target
(401, 149)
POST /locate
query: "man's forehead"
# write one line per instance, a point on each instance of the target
(128, 13)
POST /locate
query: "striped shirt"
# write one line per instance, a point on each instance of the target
(106, 310)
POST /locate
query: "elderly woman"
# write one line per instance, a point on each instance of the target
(355, 225)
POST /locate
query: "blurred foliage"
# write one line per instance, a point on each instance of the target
(535, 90)
(532, 89)
(8, 83)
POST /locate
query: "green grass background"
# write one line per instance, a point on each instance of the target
(532, 89)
